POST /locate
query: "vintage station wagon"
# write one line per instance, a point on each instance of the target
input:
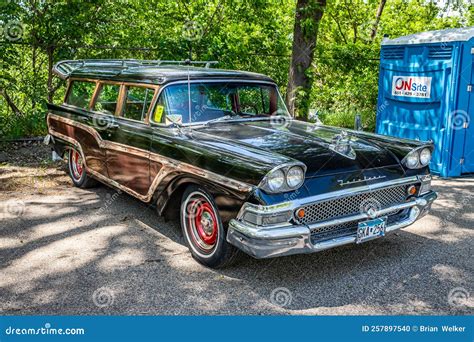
(219, 150)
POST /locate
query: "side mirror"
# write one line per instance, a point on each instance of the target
(358, 123)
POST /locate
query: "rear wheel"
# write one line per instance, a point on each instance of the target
(203, 229)
(77, 170)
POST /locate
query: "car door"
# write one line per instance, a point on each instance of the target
(128, 136)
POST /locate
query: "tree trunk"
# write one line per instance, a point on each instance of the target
(378, 16)
(51, 89)
(35, 76)
(307, 18)
(10, 102)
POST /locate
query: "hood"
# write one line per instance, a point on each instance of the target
(301, 141)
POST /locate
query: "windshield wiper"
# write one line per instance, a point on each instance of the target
(222, 118)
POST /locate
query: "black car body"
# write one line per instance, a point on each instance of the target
(218, 149)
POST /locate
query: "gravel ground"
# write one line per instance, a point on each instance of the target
(69, 251)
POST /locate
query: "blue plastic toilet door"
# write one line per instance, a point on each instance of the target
(468, 162)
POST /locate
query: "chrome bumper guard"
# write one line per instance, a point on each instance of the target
(272, 241)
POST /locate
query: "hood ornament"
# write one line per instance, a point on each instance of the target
(341, 144)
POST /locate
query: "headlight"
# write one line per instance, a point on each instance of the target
(276, 179)
(295, 176)
(412, 160)
(287, 177)
(418, 158)
(425, 156)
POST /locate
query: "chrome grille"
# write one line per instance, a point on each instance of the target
(348, 228)
(353, 204)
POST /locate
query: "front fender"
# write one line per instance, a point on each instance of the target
(229, 201)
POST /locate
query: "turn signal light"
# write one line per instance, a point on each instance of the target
(300, 213)
(411, 190)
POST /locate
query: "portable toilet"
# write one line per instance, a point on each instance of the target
(426, 93)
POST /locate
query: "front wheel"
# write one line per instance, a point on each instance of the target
(77, 170)
(203, 230)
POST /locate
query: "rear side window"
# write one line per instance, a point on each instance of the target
(137, 102)
(107, 99)
(80, 94)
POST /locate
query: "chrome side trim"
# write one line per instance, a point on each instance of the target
(169, 165)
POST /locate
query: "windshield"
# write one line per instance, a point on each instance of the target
(217, 100)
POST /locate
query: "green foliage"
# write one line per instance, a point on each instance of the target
(254, 35)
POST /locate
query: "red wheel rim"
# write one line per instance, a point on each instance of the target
(202, 223)
(76, 165)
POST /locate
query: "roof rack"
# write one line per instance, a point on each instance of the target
(64, 68)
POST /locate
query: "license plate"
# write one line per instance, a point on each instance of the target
(372, 229)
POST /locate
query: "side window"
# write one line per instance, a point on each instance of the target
(107, 99)
(137, 102)
(254, 100)
(80, 94)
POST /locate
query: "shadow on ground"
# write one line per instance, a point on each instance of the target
(73, 251)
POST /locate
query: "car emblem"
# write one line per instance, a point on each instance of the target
(343, 182)
(341, 144)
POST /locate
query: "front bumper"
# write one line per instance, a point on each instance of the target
(266, 242)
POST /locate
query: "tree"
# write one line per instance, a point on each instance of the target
(307, 18)
(377, 19)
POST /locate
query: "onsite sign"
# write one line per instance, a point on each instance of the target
(410, 86)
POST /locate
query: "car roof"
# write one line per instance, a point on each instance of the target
(154, 72)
